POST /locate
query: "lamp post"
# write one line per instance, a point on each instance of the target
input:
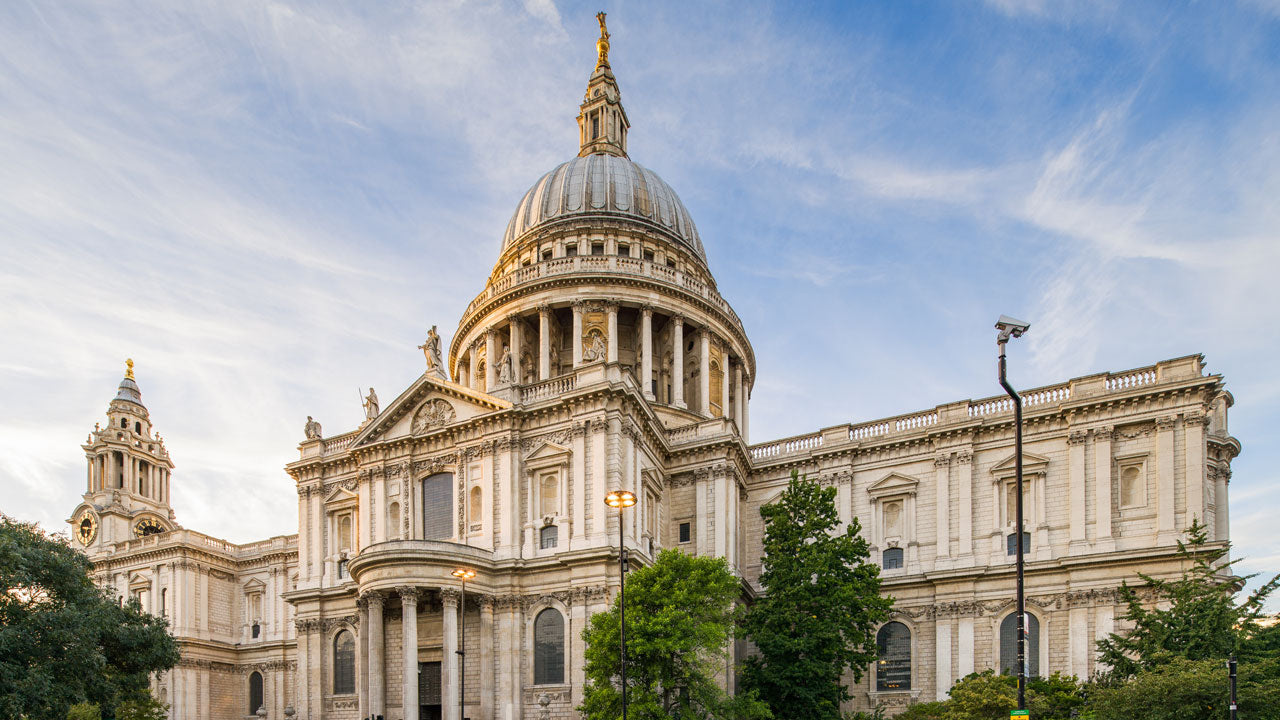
(463, 574)
(622, 499)
(1009, 327)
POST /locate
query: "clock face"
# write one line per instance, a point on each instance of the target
(148, 526)
(87, 528)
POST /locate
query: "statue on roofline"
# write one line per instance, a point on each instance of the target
(312, 429)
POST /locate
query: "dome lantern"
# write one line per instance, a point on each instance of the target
(602, 122)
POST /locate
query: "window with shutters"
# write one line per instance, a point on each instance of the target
(437, 507)
(344, 663)
(893, 657)
(548, 648)
(1009, 645)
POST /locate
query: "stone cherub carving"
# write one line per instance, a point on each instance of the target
(312, 429)
(371, 405)
(431, 349)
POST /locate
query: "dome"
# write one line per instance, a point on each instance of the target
(603, 185)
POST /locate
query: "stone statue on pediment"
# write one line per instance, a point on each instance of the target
(431, 349)
(312, 429)
(371, 405)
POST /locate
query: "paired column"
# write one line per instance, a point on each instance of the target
(677, 361)
(724, 386)
(704, 373)
(449, 666)
(514, 338)
(491, 357)
(611, 312)
(377, 673)
(646, 352)
(577, 334)
(409, 635)
(544, 342)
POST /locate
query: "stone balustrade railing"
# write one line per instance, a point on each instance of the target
(712, 427)
(338, 443)
(1176, 370)
(189, 538)
(547, 388)
(607, 265)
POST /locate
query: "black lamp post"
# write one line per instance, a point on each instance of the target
(622, 499)
(463, 574)
(1010, 327)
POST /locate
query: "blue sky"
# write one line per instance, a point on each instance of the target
(267, 204)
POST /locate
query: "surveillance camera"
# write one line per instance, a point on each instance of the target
(1011, 326)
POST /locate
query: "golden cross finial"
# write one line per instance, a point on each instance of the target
(128, 368)
(602, 45)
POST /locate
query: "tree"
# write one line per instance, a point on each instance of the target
(1182, 689)
(1202, 620)
(988, 696)
(821, 608)
(62, 640)
(680, 619)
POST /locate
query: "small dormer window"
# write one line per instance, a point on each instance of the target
(571, 250)
(137, 427)
(648, 255)
(597, 248)
(671, 264)
(624, 249)
(124, 423)
(595, 127)
(546, 254)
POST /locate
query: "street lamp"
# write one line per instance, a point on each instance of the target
(463, 574)
(622, 499)
(1009, 327)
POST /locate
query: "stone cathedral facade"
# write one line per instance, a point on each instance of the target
(600, 356)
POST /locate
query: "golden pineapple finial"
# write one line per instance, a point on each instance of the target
(128, 368)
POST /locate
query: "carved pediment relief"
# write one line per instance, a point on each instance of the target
(893, 484)
(340, 495)
(434, 413)
(1031, 464)
(547, 454)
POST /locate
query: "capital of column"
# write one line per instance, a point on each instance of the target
(678, 319)
(544, 308)
(486, 602)
(611, 307)
(450, 596)
(372, 598)
(409, 595)
(646, 310)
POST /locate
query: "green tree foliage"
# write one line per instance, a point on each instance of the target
(1182, 689)
(821, 609)
(680, 619)
(988, 696)
(1202, 621)
(62, 641)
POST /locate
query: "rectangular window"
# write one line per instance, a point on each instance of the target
(550, 536)
(342, 569)
(571, 250)
(597, 248)
(437, 506)
(546, 254)
(686, 532)
(1013, 543)
(624, 250)
(671, 264)
(648, 255)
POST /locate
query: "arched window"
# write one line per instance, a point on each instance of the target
(437, 503)
(1012, 542)
(477, 505)
(137, 427)
(548, 537)
(893, 657)
(892, 559)
(255, 692)
(344, 664)
(393, 521)
(549, 495)
(1009, 645)
(124, 423)
(548, 648)
(344, 532)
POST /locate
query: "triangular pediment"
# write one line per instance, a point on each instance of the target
(430, 404)
(1030, 462)
(893, 484)
(340, 494)
(254, 585)
(547, 450)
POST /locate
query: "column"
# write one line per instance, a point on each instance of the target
(1221, 513)
(1075, 490)
(155, 592)
(514, 338)
(724, 385)
(739, 398)
(464, 375)
(363, 676)
(1078, 642)
(449, 665)
(1164, 480)
(1102, 490)
(1195, 451)
(964, 496)
(704, 374)
(1104, 624)
(611, 312)
(646, 352)
(409, 633)
(576, 341)
(377, 673)
(677, 361)
(942, 658)
(544, 342)
(578, 471)
(746, 408)
(486, 657)
(491, 357)
(942, 475)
